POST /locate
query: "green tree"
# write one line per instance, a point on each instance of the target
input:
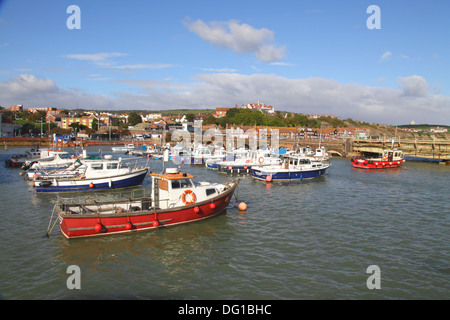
(190, 117)
(209, 119)
(36, 116)
(134, 118)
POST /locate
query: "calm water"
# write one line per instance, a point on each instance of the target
(308, 240)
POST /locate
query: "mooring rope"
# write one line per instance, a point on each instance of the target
(49, 230)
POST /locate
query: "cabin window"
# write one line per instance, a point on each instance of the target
(181, 183)
(97, 166)
(111, 166)
(176, 184)
(210, 191)
(186, 183)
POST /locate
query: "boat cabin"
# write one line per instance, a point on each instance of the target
(104, 168)
(173, 189)
(299, 161)
(385, 155)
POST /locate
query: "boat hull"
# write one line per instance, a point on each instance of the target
(80, 226)
(91, 185)
(375, 164)
(287, 174)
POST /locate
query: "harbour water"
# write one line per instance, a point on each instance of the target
(306, 240)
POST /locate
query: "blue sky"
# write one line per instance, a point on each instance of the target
(299, 56)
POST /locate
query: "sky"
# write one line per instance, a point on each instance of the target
(387, 65)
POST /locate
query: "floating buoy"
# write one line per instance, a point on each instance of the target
(242, 206)
(212, 205)
(196, 209)
(91, 185)
(155, 223)
(128, 225)
(269, 178)
(98, 227)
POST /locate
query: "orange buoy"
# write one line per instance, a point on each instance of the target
(155, 223)
(91, 185)
(212, 205)
(196, 209)
(269, 178)
(242, 206)
(128, 225)
(98, 227)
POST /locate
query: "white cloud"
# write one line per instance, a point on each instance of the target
(101, 58)
(415, 86)
(386, 56)
(241, 38)
(32, 91)
(310, 95)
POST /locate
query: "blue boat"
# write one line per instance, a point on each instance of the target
(294, 167)
(98, 175)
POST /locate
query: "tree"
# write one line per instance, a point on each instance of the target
(36, 116)
(95, 124)
(209, 119)
(134, 118)
(190, 117)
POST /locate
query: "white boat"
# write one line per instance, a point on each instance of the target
(127, 147)
(18, 160)
(50, 159)
(244, 160)
(219, 155)
(293, 167)
(97, 175)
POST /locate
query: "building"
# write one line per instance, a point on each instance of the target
(47, 110)
(259, 106)
(17, 108)
(86, 120)
(220, 112)
(151, 116)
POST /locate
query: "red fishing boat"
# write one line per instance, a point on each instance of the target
(175, 199)
(389, 158)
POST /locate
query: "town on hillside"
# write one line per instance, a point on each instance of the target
(17, 121)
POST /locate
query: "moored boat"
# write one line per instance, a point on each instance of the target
(97, 175)
(293, 167)
(176, 199)
(18, 160)
(125, 148)
(388, 158)
(241, 162)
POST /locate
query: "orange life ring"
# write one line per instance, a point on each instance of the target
(261, 160)
(183, 197)
(385, 158)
